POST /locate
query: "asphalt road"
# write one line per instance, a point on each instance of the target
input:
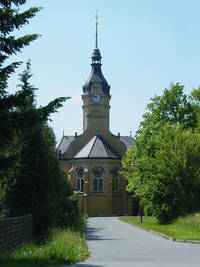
(116, 244)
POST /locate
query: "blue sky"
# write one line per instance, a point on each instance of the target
(144, 44)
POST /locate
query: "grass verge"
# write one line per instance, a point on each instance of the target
(60, 247)
(184, 228)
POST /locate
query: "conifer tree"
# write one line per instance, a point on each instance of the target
(12, 123)
(10, 20)
(39, 187)
(24, 135)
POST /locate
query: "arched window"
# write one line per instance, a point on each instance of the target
(98, 179)
(115, 180)
(79, 174)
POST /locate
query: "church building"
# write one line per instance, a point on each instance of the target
(92, 160)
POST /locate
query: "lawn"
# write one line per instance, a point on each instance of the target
(184, 228)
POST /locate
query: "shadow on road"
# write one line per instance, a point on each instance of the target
(92, 234)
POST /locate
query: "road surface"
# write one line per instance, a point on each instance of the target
(113, 243)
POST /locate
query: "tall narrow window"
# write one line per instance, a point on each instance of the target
(115, 180)
(80, 173)
(98, 180)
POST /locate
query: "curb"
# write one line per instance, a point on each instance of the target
(171, 238)
(163, 235)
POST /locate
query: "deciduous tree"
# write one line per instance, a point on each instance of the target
(166, 173)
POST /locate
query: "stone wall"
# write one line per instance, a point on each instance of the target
(14, 232)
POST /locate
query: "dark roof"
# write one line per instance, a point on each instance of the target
(97, 147)
(96, 75)
(65, 143)
(127, 140)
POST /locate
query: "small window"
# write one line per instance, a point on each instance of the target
(78, 184)
(115, 185)
(98, 180)
(115, 180)
(79, 174)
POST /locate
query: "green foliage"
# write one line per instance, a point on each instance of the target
(60, 247)
(12, 122)
(31, 178)
(38, 186)
(166, 174)
(79, 222)
(10, 20)
(41, 187)
(173, 107)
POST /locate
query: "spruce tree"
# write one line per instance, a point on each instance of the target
(39, 187)
(11, 122)
(10, 20)
(31, 180)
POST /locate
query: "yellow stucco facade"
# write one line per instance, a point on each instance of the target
(107, 202)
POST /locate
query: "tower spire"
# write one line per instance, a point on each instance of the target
(96, 75)
(97, 22)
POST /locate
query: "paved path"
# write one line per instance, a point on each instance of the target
(116, 244)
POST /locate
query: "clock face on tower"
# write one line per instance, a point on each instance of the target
(96, 98)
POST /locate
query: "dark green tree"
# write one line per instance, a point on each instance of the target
(38, 186)
(12, 123)
(31, 180)
(11, 19)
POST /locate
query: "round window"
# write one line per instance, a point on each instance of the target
(115, 172)
(98, 172)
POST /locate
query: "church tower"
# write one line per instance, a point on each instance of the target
(96, 94)
(92, 159)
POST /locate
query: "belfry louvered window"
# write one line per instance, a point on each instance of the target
(98, 180)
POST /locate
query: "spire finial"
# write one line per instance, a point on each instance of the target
(97, 22)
